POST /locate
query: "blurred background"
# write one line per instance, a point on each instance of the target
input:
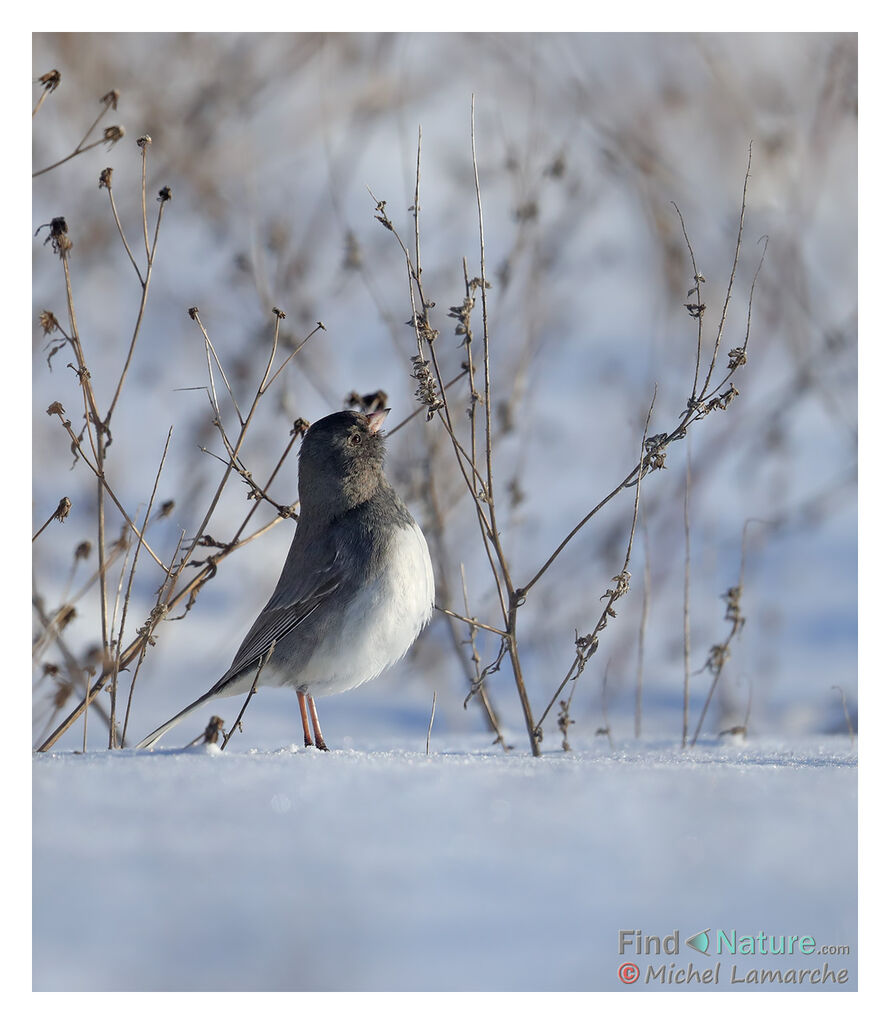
(277, 149)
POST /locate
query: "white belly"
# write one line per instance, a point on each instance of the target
(380, 624)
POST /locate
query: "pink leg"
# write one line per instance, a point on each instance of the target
(316, 728)
(307, 735)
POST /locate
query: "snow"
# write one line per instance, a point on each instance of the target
(461, 870)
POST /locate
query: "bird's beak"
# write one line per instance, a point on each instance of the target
(375, 419)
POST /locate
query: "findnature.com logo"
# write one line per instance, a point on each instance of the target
(721, 942)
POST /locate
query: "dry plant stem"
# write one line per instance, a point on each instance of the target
(39, 103)
(604, 704)
(735, 264)
(466, 464)
(130, 582)
(108, 490)
(471, 369)
(103, 581)
(114, 645)
(173, 598)
(143, 144)
(419, 409)
(123, 237)
(696, 409)
(847, 719)
(86, 712)
(477, 681)
(98, 446)
(72, 665)
(253, 689)
(144, 283)
(687, 559)
(452, 618)
(232, 450)
(80, 147)
(719, 654)
(100, 440)
(697, 279)
(516, 599)
(481, 484)
(475, 623)
(162, 605)
(137, 646)
(60, 513)
(429, 730)
(644, 615)
(584, 653)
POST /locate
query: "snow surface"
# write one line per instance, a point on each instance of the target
(461, 870)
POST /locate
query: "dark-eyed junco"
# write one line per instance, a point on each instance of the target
(357, 585)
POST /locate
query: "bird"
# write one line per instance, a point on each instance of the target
(357, 585)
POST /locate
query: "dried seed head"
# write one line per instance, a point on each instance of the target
(65, 616)
(373, 402)
(214, 727)
(48, 322)
(114, 133)
(82, 551)
(58, 235)
(50, 81)
(381, 215)
(111, 98)
(426, 387)
(717, 658)
(143, 141)
(165, 194)
(656, 451)
(737, 357)
(422, 326)
(62, 510)
(105, 178)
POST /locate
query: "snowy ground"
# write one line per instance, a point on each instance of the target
(464, 870)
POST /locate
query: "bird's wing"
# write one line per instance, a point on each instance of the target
(284, 613)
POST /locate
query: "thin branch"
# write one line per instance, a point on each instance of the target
(256, 681)
(132, 577)
(687, 547)
(61, 513)
(110, 135)
(429, 730)
(719, 653)
(475, 623)
(586, 646)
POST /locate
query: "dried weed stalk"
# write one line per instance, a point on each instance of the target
(473, 447)
(183, 574)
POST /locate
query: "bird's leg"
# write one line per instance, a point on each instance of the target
(307, 735)
(316, 728)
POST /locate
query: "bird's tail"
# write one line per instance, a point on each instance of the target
(153, 737)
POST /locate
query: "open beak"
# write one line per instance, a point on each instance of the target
(375, 419)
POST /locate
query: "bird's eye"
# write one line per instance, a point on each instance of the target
(355, 439)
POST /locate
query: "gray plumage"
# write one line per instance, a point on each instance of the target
(356, 587)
